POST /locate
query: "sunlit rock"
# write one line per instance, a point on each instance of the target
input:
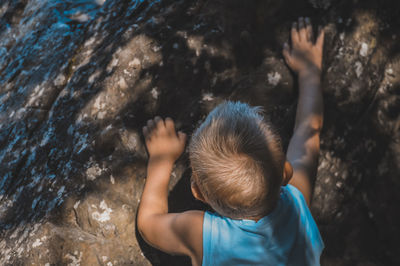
(79, 80)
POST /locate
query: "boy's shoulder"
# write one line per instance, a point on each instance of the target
(295, 195)
(290, 226)
(192, 226)
(188, 226)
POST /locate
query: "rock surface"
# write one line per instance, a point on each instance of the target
(78, 80)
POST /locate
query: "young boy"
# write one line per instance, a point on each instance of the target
(239, 169)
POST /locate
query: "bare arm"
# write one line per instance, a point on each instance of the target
(170, 232)
(305, 58)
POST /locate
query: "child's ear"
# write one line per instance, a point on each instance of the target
(196, 191)
(287, 173)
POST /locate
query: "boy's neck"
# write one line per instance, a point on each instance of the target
(256, 219)
(259, 217)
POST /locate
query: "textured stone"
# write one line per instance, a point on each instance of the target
(79, 79)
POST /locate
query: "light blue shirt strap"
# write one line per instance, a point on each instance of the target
(287, 236)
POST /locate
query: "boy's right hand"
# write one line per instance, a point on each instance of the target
(304, 56)
(162, 140)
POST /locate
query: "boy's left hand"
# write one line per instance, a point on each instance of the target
(305, 55)
(162, 140)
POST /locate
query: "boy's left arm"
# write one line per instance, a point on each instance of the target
(179, 233)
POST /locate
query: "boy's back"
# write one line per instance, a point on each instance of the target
(241, 172)
(286, 236)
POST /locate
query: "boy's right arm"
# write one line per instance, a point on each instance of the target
(305, 58)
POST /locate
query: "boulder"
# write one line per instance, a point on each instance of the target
(79, 79)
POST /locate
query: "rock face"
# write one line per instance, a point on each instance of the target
(78, 80)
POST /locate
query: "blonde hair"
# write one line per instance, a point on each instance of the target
(237, 161)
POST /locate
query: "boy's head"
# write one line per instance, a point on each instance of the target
(237, 161)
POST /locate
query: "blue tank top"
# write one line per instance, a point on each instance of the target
(286, 236)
